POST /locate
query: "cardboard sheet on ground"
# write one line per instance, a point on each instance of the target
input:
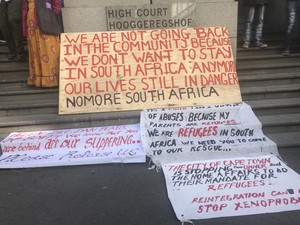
(202, 133)
(231, 187)
(112, 144)
(142, 69)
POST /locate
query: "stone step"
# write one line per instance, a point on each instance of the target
(13, 67)
(271, 50)
(268, 79)
(286, 141)
(270, 41)
(268, 68)
(3, 45)
(270, 92)
(4, 52)
(277, 119)
(280, 123)
(24, 123)
(267, 33)
(4, 58)
(12, 78)
(275, 106)
(26, 93)
(290, 155)
(29, 107)
(266, 59)
(3, 48)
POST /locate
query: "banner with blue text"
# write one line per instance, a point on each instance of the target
(202, 133)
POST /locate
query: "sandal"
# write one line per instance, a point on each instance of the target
(286, 52)
(19, 58)
(12, 56)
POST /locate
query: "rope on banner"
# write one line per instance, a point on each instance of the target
(151, 167)
(158, 169)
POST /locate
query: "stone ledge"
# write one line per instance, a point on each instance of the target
(24, 91)
(271, 89)
(273, 76)
(261, 57)
(284, 140)
(268, 66)
(28, 120)
(274, 103)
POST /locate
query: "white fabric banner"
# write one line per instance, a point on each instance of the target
(231, 187)
(203, 133)
(112, 144)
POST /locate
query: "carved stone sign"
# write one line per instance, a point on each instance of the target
(144, 17)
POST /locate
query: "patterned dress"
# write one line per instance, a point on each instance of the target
(43, 54)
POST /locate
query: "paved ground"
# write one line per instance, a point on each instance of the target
(111, 194)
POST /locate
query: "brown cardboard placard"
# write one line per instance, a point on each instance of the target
(144, 69)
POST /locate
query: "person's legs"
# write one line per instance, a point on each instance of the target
(1, 37)
(250, 16)
(259, 27)
(291, 19)
(15, 21)
(6, 30)
(298, 17)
